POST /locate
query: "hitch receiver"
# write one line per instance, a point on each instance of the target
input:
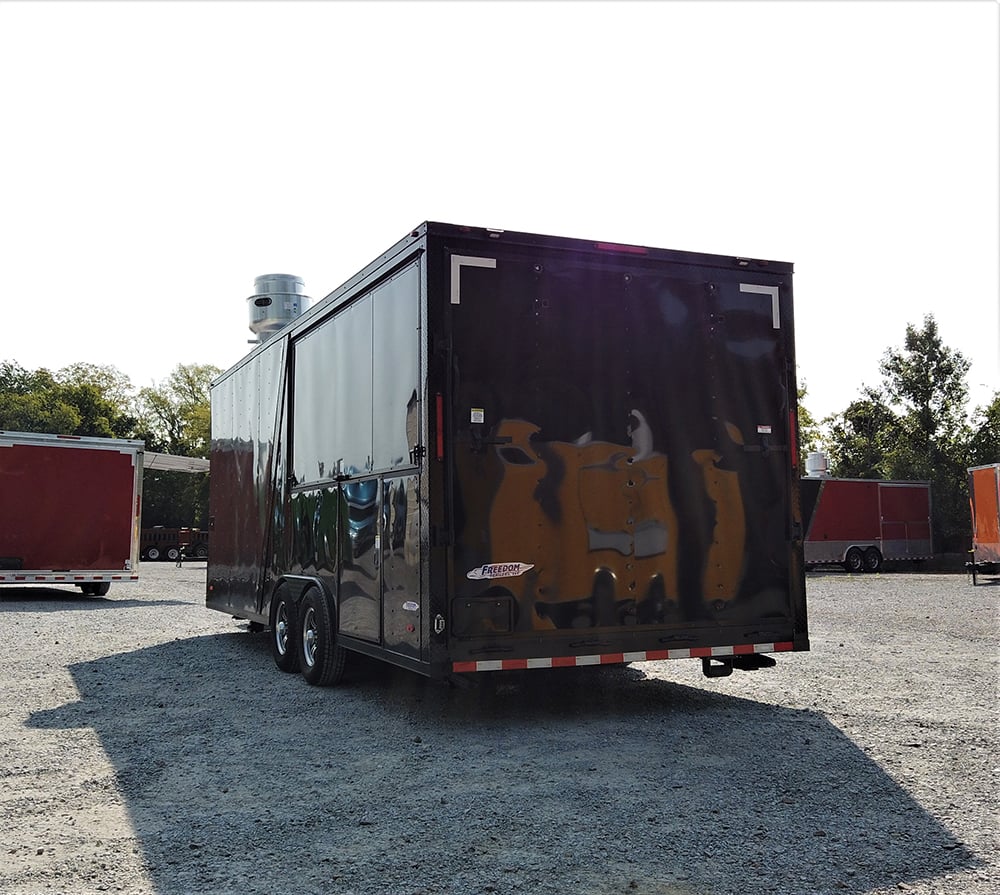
(722, 666)
(717, 667)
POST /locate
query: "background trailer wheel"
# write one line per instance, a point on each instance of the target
(321, 658)
(854, 561)
(873, 560)
(95, 588)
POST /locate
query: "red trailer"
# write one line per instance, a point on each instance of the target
(69, 510)
(859, 523)
(984, 501)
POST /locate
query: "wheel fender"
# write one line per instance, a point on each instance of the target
(296, 586)
(860, 546)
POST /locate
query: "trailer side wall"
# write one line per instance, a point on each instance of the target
(246, 409)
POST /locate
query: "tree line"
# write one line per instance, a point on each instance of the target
(99, 400)
(914, 424)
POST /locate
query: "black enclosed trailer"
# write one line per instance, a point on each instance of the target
(496, 450)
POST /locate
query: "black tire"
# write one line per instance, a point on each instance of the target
(95, 588)
(321, 657)
(873, 560)
(201, 551)
(152, 553)
(854, 561)
(284, 633)
(173, 553)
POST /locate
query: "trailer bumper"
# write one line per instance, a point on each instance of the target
(707, 652)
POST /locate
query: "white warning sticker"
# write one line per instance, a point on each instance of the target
(499, 570)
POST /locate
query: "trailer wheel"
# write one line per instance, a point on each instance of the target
(201, 551)
(173, 553)
(283, 636)
(321, 657)
(95, 588)
(873, 560)
(854, 561)
(152, 553)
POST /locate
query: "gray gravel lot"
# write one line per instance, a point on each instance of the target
(150, 746)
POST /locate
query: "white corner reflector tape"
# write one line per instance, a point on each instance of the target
(457, 263)
(765, 290)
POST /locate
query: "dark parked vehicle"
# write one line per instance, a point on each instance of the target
(494, 450)
(160, 543)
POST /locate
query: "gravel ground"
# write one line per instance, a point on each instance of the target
(150, 746)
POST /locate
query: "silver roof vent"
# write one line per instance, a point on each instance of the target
(817, 466)
(277, 300)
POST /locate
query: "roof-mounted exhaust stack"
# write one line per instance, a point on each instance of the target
(277, 300)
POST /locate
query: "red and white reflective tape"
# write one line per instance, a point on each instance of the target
(698, 652)
(33, 579)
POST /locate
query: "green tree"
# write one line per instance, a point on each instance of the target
(984, 442)
(37, 412)
(927, 380)
(809, 432)
(861, 437)
(176, 416)
(15, 379)
(102, 395)
(81, 399)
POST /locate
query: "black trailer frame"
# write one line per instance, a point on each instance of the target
(494, 450)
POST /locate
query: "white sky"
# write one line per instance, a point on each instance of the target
(155, 157)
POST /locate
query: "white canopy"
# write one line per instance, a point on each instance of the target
(173, 463)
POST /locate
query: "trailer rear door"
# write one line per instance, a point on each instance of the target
(68, 504)
(623, 447)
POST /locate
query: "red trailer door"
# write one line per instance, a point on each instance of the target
(905, 512)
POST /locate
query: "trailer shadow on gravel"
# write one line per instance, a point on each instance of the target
(55, 599)
(591, 781)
